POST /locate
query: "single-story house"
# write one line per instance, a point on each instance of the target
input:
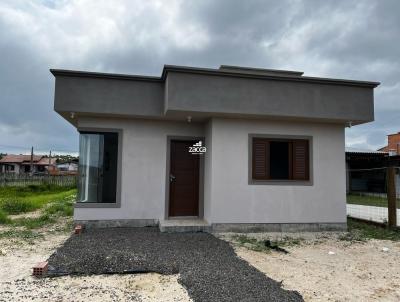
(232, 148)
(18, 164)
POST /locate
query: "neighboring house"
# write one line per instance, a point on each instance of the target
(366, 170)
(237, 148)
(393, 146)
(22, 164)
(70, 168)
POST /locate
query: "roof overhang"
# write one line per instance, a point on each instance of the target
(202, 93)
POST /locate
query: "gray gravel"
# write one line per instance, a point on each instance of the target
(209, 268)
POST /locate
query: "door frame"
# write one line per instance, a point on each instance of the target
(167, 172)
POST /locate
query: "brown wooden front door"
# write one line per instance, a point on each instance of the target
(183, 180)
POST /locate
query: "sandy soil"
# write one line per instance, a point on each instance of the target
(16, 283)
(355, 272)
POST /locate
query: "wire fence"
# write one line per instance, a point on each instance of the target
(22, 180)
(375, 206)
(371, 213)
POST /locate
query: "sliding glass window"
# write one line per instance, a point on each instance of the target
(98, 164)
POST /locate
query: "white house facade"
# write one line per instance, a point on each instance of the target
(239, 149)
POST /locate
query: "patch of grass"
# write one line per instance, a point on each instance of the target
(17, 206)
(3, 217)
(261, 245)
(33, 223)
(21, 191)
(362, 231)
(369, 200)
(62, 207)
(21, 234)
(33, 201)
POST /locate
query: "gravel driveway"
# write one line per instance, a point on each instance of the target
(209, 268)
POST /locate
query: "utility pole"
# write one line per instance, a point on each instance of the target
(391, 196)
(32, 160)
(48, 169)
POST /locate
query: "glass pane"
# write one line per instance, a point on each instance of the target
(279, 160)
(98, 164)
(109, 173)
(90, 166)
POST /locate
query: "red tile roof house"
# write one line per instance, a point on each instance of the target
(22, 164)
(228, 149)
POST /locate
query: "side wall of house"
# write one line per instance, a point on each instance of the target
(143, 179)
(234, 200)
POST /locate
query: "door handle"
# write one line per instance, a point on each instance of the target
(171, 178)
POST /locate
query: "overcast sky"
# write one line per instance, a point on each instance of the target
(344, 39)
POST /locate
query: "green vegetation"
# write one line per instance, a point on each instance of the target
(48, 202)
(26, 235)
(16, 200)
(3, 217)
(262, 245)
(369, 200)
(362, 231)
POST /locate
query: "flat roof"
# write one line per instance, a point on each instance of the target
(224, 70)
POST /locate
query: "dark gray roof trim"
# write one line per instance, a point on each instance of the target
(90, 74)
(280, 75)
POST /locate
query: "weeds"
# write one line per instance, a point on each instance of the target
(21, 234)
(264, 245)
(51, 206)
(17, 206)
(362, 231)
(62, 208)
(3, 217)
(33, 223)
(36, 200)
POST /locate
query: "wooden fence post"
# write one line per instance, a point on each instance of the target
(391, 196)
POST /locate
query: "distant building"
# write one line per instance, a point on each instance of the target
(366, 170)
(22, 164)
(69, 168)
(393, 146)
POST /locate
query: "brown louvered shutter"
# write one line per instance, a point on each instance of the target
(300, 155)
(260, 158)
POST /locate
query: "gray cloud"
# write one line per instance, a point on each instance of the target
(347, 39)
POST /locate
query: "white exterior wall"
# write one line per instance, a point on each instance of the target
(228, 196)
(234, 200)
(144, 151)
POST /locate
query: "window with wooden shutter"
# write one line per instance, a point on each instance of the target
(280, 159)
(260, 159)
(300, 160)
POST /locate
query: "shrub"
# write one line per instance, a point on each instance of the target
(17, 206)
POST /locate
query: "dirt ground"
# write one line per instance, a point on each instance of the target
(17, 284)
(353, 272)
(328, 269)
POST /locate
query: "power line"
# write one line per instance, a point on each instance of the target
(38, 149)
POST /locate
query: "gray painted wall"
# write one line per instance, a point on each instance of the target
(108, 96)
(234, 95)
(144, 151)
(211, 94)
(234, 200)
(228, 196)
